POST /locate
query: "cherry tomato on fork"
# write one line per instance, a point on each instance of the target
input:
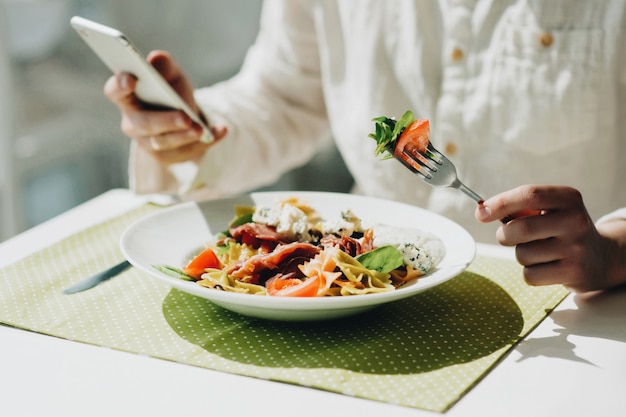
(414, 138)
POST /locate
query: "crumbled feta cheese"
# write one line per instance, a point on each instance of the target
(267, 215)
(420, 250)
(288, 220)
(295, 224)
(346, 225)
(416, 257)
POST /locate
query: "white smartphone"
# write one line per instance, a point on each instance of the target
(119, 54)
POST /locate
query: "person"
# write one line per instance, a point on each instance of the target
(521, 95)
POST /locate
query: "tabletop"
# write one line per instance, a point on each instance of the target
(572, 364)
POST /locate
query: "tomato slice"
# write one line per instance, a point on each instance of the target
(414, 138)
(292, 287)
(198, 265)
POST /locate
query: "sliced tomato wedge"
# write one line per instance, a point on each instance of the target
(198, 265)
(292, 287)
(414, 138)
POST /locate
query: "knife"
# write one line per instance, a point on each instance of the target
(98, 278)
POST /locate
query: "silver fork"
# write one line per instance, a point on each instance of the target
(434, 168)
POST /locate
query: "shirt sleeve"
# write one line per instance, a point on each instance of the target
(617, 214)
(273, 108)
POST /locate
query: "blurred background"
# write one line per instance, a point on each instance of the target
(60, 141)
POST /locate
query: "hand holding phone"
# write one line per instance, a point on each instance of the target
(119, 54)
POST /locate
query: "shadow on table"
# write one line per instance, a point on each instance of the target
(599, 315)
(450, 324)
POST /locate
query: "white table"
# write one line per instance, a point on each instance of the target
(573, 364)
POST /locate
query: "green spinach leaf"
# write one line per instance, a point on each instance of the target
(384, 259)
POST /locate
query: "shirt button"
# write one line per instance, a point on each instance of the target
(457, 54)
(546, 39)
(450, 148)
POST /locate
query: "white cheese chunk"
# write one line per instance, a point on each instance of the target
(346, 225)
(420, 250)
(288, 220)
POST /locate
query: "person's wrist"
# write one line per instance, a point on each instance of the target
(614, 230)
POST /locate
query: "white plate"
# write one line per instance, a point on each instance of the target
(171, 235)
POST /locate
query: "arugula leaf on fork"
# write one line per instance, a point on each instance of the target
(388, 131)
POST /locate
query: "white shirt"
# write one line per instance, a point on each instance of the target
(516, 92)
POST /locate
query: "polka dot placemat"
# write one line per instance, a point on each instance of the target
(424, 352)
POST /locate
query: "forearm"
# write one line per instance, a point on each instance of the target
(274, 108)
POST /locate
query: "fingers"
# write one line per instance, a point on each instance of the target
(526, 200)
(169, 135)
(190, 152)
(551, 273)
(218, 132)
(161, 129)
(169, 69)
(175, 147)
(167, 130)
(531, 228)
(539, 252)
(550, 247)
(550, 261)
(576, 276)
(120, 89)
(163, 62)
(138, 123)
(556, 240)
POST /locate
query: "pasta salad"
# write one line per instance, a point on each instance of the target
(288, 250)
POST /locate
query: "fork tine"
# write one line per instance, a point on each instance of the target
(435, 155)
(435, 168)
(425, 173)
(424, 159)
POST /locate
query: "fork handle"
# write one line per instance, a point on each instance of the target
(470, 193)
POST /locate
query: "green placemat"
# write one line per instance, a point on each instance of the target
(424, 352)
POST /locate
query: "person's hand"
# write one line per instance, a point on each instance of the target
(170, 135)
(559, 244)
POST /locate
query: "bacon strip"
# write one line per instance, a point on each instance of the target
(284, 259)
(257, 235)
(350, 245)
